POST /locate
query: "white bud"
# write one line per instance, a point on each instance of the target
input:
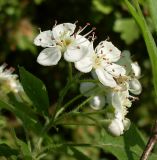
(97, 102)
(135, 86)
(136, 69)
(126, 123)
(116, 127)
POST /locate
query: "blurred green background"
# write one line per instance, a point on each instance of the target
(19, 23)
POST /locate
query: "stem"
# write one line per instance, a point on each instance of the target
(151, 142)
(70, 71)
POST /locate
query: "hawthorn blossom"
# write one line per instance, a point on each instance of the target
(62, 39)
(133, 72)
(120, 102)
(102, 61)
(8, 81)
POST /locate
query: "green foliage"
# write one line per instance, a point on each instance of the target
(101, 7)
(36, 91)
(128, 35)
(153, 10)
(18, 20)
(149, 40)
(7, 151)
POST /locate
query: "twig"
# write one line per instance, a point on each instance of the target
(151, 142)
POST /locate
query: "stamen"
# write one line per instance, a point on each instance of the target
(89, 32)
(55, 24)
(82, 29)
(76, 22)
(40, 30)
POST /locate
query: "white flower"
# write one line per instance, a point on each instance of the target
(133, 72)
(120, 102)
(8, 81)
(102, 62)
(88, 89)
(62, 40)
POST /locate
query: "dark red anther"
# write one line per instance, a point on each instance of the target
(78, 47)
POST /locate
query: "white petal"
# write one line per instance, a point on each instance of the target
(135, 86)
(82, 41)
(80, 48)
(112, 54)
(44, 39)
(63, 30)
(84, 65)
(115, 70)
(98, 102)
(136, 69)
(105, 78)
(86, 88)
(74, 54)
(116, 127)
(49, 56)
(117, 104)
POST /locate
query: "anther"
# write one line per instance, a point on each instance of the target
(78, 47)
(94, 28)
(108, 38)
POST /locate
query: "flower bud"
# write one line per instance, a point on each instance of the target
(116, 127)
(135, 87)
(136, 69)
(97, 102)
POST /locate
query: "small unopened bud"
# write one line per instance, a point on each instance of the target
(97, 102)
(116, 127)
(126, 123)
(136, 69)
(135, 86)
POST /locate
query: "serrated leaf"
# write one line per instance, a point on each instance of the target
(123, 147)
(128, 29)
(7, 151)
(36, 91)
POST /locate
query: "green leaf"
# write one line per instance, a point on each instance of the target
(101, 7)
(26, 153)
(78, 155)
(153, 11)
(124, 147)
(128, 35)
(36, 91)
(7, 151)
(28, 122)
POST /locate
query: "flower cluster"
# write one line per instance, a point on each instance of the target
(9, 83)
(115, 73)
